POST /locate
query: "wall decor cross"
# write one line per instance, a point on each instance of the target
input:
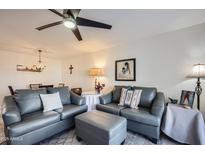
(71, 68)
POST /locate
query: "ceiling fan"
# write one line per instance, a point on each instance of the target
(72, 21)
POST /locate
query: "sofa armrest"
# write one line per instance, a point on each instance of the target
(158, 105)
(106, 98)
(76, 99)
(10, 111)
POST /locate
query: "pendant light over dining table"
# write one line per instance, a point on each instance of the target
(39, 66)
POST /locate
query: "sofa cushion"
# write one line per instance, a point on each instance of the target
(71, 110)
(141, 115)
(147, 96)
(117, 93)
(110, 108)
(64, 94)
(33, 121)
(29, 100)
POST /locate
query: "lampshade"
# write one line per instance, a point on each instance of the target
(96, 72)
(198, 70)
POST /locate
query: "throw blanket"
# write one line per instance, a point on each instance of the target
(184, 125)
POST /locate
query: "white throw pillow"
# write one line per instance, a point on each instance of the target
(123, 96)
(128, 98)
(136, 99)
(51, 101)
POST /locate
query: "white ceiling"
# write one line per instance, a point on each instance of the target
(18, 33)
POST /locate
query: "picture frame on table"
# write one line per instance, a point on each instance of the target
(187, 98)
(125, 70)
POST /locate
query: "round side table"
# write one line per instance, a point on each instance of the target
(91, 99)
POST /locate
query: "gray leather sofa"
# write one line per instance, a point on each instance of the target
(145, 120)
(26, 123)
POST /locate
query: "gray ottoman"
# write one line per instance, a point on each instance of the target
(97, 128)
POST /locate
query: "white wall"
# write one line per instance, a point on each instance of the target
(162, 61)
(9, 75)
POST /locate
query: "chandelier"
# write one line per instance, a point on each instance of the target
(39, 67)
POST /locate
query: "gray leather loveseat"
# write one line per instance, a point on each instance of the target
(26, 123)
(146, 119)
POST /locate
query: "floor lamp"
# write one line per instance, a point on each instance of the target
(198, 72)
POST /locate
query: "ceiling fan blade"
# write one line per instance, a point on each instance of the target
(73, 12)
(77, 33)
(56, 12)
(49, 25)
(86, 22)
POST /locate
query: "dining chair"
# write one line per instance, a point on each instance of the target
(61, 85)
(11, 90)
(46, 86)
(35, 86)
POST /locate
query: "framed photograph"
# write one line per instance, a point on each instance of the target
(125, 70)
(187, 98)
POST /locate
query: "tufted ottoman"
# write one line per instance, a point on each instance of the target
(97, 128)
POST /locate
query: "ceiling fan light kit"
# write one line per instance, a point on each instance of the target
(72, 21)
(69, 22)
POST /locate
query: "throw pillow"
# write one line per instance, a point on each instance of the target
(136, 98)
(128, 98)
(123, 96)
(51, 101)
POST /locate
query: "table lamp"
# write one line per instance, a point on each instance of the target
(198, 72)
(96, 73)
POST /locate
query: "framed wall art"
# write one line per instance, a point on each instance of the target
(125, 70)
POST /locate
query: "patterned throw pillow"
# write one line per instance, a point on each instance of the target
(128, 98)
(123, 96)
(136, 98)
